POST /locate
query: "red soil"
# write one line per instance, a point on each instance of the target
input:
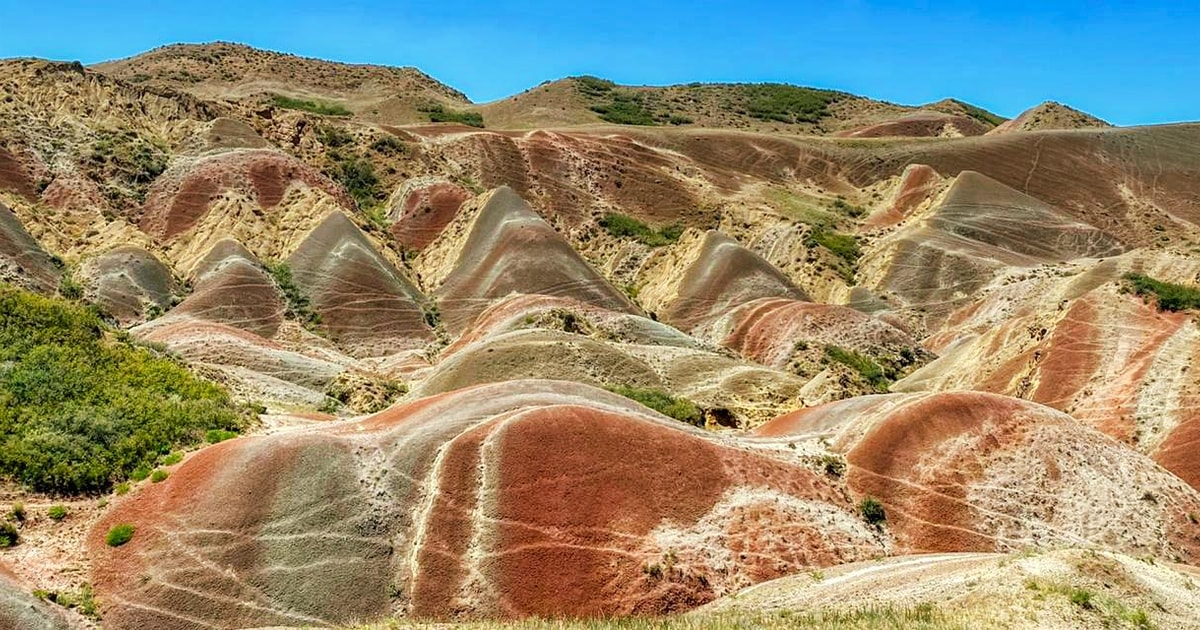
(425, 211)
(180, 197)
(522, 498)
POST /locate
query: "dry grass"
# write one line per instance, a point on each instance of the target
(867, 617)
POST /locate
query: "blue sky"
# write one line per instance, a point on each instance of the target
(1128, 62)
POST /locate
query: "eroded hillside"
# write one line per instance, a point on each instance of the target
(596, 350)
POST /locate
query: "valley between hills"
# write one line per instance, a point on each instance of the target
(295, 343)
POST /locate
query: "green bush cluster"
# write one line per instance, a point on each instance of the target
(57, 512)
(80, 411)
(872, 511)
(119, 535)
(438, 113)
(334, 137)
(981, 114)
(788, 103)
(624, 226)
(625, 108)
(299, 307)
(312, 107)
(1169, 296)
(358, 177)
(867, 368)
(124, 164)
(680, 409)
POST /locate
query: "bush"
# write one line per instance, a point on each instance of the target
(172, 459)
(312, 107)
(1169, 296)
(8, 535)
(437, 113)
(217, 436)
(624, 226)
(121, 488)
(57, 512)
(833, 465)
(389, 145)
(844, 246)
(334, 137)
(788, 103)
(358, 177)
(868, 369)
(872, 511)
(119, 535)
(298, 306)
(158, 475)
(680, 409)
(18, 512)
(625, 108)
(80, 412)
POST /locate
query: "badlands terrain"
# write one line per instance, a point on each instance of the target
(292, 343)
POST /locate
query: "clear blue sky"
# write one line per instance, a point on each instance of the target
(1128, 62)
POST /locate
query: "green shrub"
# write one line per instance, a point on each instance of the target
(594, 86)
(844, 246)
(299, 307)
(624, 226)
(79, 410)
(1082, 598)
(216, 436)
(1169, 296)
(868, 369)
(122, 488)
(680, 409)
(8, 535)
(83, 600)
(172, 459)
(788, 103)
(981, 114)
(872, 511)
(158, 476)
(57, 512)
(119, 535)
(358, 177)
(140, 473)
(17, 513)
(625, 108)
(334, 137)
(833, 465)
(312, 107)
(438, 113)
(389, 145)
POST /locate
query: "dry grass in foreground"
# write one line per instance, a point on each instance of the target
(872, 617)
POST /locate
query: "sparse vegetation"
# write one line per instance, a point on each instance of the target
(298, 306)
(334, 137)
(866, 367)
(159, 476)
(625, 108)
(625, 226)
(438, 113)
(119, 535)
(81, 409)
(124, 164)
(680, 409)
(788, 103)
(389, 145)
(82, 601)
(981, 114)
(833, 465)
(872, 511)
(171, 459)
(874, 616)
(9, 537)
(57, 512)
(844, 246)
(1168, 296)
(312, 107)
(358, 177)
